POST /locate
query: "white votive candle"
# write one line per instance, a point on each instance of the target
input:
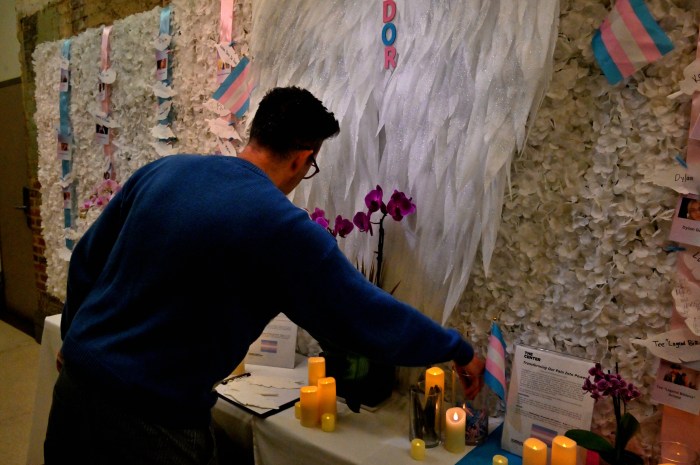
(328, 422)
(455, 420)
(418, 449)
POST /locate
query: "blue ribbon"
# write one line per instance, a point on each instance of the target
(64, 98)
(165, 28)
(65, 135)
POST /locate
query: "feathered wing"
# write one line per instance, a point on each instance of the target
(441, 127)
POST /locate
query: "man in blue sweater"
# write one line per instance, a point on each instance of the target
(181, 273)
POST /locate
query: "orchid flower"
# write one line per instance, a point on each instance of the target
(342, 227)
(319, 216)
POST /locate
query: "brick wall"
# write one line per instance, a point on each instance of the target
(57, 20)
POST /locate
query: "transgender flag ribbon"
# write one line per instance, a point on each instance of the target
(495, 376)
(628, 39)
(234, 92)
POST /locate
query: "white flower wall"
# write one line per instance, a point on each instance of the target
(579, 265)
(133, 108)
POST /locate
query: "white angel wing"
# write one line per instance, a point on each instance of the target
(441, 127)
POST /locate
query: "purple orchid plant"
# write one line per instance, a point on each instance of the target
(620, 391)
(398, 207)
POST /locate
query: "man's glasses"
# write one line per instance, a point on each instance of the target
(314, 166)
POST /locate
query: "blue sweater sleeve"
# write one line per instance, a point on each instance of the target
(337, 303)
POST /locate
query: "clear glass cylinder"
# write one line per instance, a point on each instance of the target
(426, 413)
(477, 409)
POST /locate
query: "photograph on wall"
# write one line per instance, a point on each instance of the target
(686, 221)
(63, 147)
(677, 386)
(63, 86)
(161, 65)
(101, 134)
(101, 91)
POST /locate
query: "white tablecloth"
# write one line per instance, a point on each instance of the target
(370, 438)
(367, 438)
(47, 375)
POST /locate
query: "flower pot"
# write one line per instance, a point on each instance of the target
(359, 379)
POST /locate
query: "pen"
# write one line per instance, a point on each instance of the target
(231, 378)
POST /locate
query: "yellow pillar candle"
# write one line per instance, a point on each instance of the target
(317, 370)
(499, 460)
(328, 422)
(297, 410)
(326, 396)
(434, 376)
(309, 406)
(418, 449)
(563, 451)
(455, 420)
(534, 452)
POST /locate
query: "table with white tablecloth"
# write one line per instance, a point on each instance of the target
(361, 438)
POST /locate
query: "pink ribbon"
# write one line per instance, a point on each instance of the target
(105, 65)
(226, 22)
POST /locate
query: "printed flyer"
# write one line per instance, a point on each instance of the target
(545, 397)
(276, 346)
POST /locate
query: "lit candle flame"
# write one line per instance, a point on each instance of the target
(455, 416)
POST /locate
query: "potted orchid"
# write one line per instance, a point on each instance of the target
(611, 385)
(360, 380)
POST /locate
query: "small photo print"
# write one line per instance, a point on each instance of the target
(161, 65)
(685, 228)
(101, 91)
(101, 134)
(65, 78)
(677, 386)
(63, 148)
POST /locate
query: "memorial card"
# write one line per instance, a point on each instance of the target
(677, 386)
(545, 397)
(686, 221)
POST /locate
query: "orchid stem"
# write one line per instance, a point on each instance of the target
(380, 252)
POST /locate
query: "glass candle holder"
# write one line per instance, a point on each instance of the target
(477, 409)
(425, 413)
(673, 453)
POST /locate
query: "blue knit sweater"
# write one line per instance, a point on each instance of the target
(186, 266)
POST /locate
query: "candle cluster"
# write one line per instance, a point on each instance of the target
(563, 451)
(317, 401)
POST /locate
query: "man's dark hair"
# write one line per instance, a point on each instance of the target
(291, 118)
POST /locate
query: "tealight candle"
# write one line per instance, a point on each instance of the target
(309, 406)
(297, 410)
(317, 370)
(434, 376)
(418, 449)
(534, 452)
(326, 396)
(328, 422)
(563, 451)
(499, 460)
(455, 420)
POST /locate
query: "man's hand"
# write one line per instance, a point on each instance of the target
(471, 376)
(59, 361)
